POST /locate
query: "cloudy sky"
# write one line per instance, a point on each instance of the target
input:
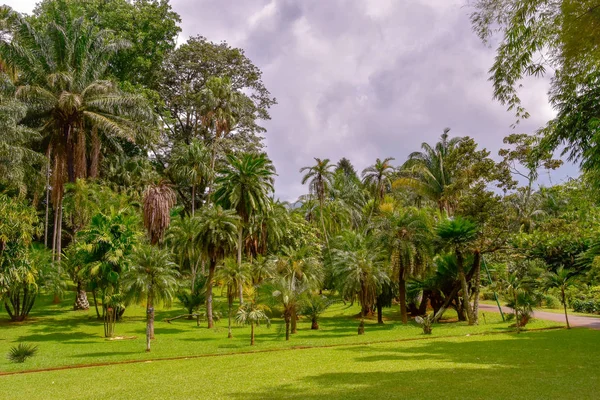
(362, 79)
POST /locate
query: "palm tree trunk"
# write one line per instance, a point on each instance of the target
(287, 327)
(239, 259)
(81, 301)
(59, 235)
(315, 323)
(209, 293)
(294, 321)
(96, 303)
(379, 313)
(465, 287)
(47, 202)
(564, 301)
(402, 294)
(150, 311)
(476, 284)
(241, 292)
(230, 300)
(252, 333)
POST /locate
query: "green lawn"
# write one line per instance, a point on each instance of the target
(557, 364)
(66, 338)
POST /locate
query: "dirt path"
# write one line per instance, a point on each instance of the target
(574, 320)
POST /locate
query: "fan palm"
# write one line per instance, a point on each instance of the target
(152, 277)
(287, 293)
(244, 185)
(252, 313)
(457, 234)
(379, 177)
(428, 173)
(217, 236)
(358, 269)
(406, 235)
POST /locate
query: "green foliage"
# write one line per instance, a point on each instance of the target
(21, 352)
(586, 306)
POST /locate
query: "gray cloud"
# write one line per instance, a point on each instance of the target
(363, 79)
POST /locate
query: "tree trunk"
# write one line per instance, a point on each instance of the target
(239, 260)
(422, 310)
(564, 301)
(59, 236)
(252, 333)
(315, 324)
(150, 311)
(96, 303)
(47, 202)
(294, 321)
(402, 294)
(81, 300)
(446, 303)
(465, 288)
(379, 313)
(209, 293)
(287, 328)
(477, 285)
(230, 300)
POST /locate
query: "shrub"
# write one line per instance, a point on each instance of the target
(551, 301)
(586, 306)
(425, 323)
(22, 352)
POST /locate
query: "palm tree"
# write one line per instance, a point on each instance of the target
(287, 293)
(427, 172)
(61, 72)
(152, 277)
(379, 176)
(158, 201)
(218, 228)
(457, 234)
(190, 163)
(313, 306)
(562, 279)
(406, 235)
(358, 269)
(252, 313)
(183, 239)
(244, 185)
(320, 176)
(233, 276)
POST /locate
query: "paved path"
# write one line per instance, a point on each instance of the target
(574, 320)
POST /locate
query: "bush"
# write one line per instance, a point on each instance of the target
(551, 301)
(586, 306)
(487, 294)
(22, 352)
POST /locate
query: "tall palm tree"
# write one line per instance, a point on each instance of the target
(190, 163)
(245, 185)
(406, 235)
(320, 178)
(427, 172)
(457, 234)
(233, 276)
(62, 79)
(183, 239)
(287, 293)
(358, 269)
(217, 236)
(152, 278)
(379, 177)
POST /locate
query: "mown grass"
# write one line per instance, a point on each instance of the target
(556, 364)
(69, 338)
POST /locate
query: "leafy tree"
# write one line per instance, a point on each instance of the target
(406, 236)
(151, 278)
(183, 238)
(18, 274)
(458, 234)
(217, 236)
(244, 185)
(562, 280)
(190, 164)
(344, 165)
(379, 177)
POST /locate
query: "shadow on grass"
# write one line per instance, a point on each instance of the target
(59, 337)
(519, 366)
(105, 354)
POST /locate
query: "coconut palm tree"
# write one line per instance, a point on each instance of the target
(157, 203)
(190, 163)
(217, 236)
(406, 235)
(457, 234)
(562, 279)
(62, 79)
(319, 178)
(151, 278)
(426, 171)
(359, 269)
(379, 177)
(233, 276)
(245, 185)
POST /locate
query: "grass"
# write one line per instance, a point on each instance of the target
(534, 365)
(70, 338)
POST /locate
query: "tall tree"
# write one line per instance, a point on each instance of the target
(245, 184)
(233, 276)
(151, 278)
(191, 165)
(379, 177)
(217, 236)
(319, 178)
